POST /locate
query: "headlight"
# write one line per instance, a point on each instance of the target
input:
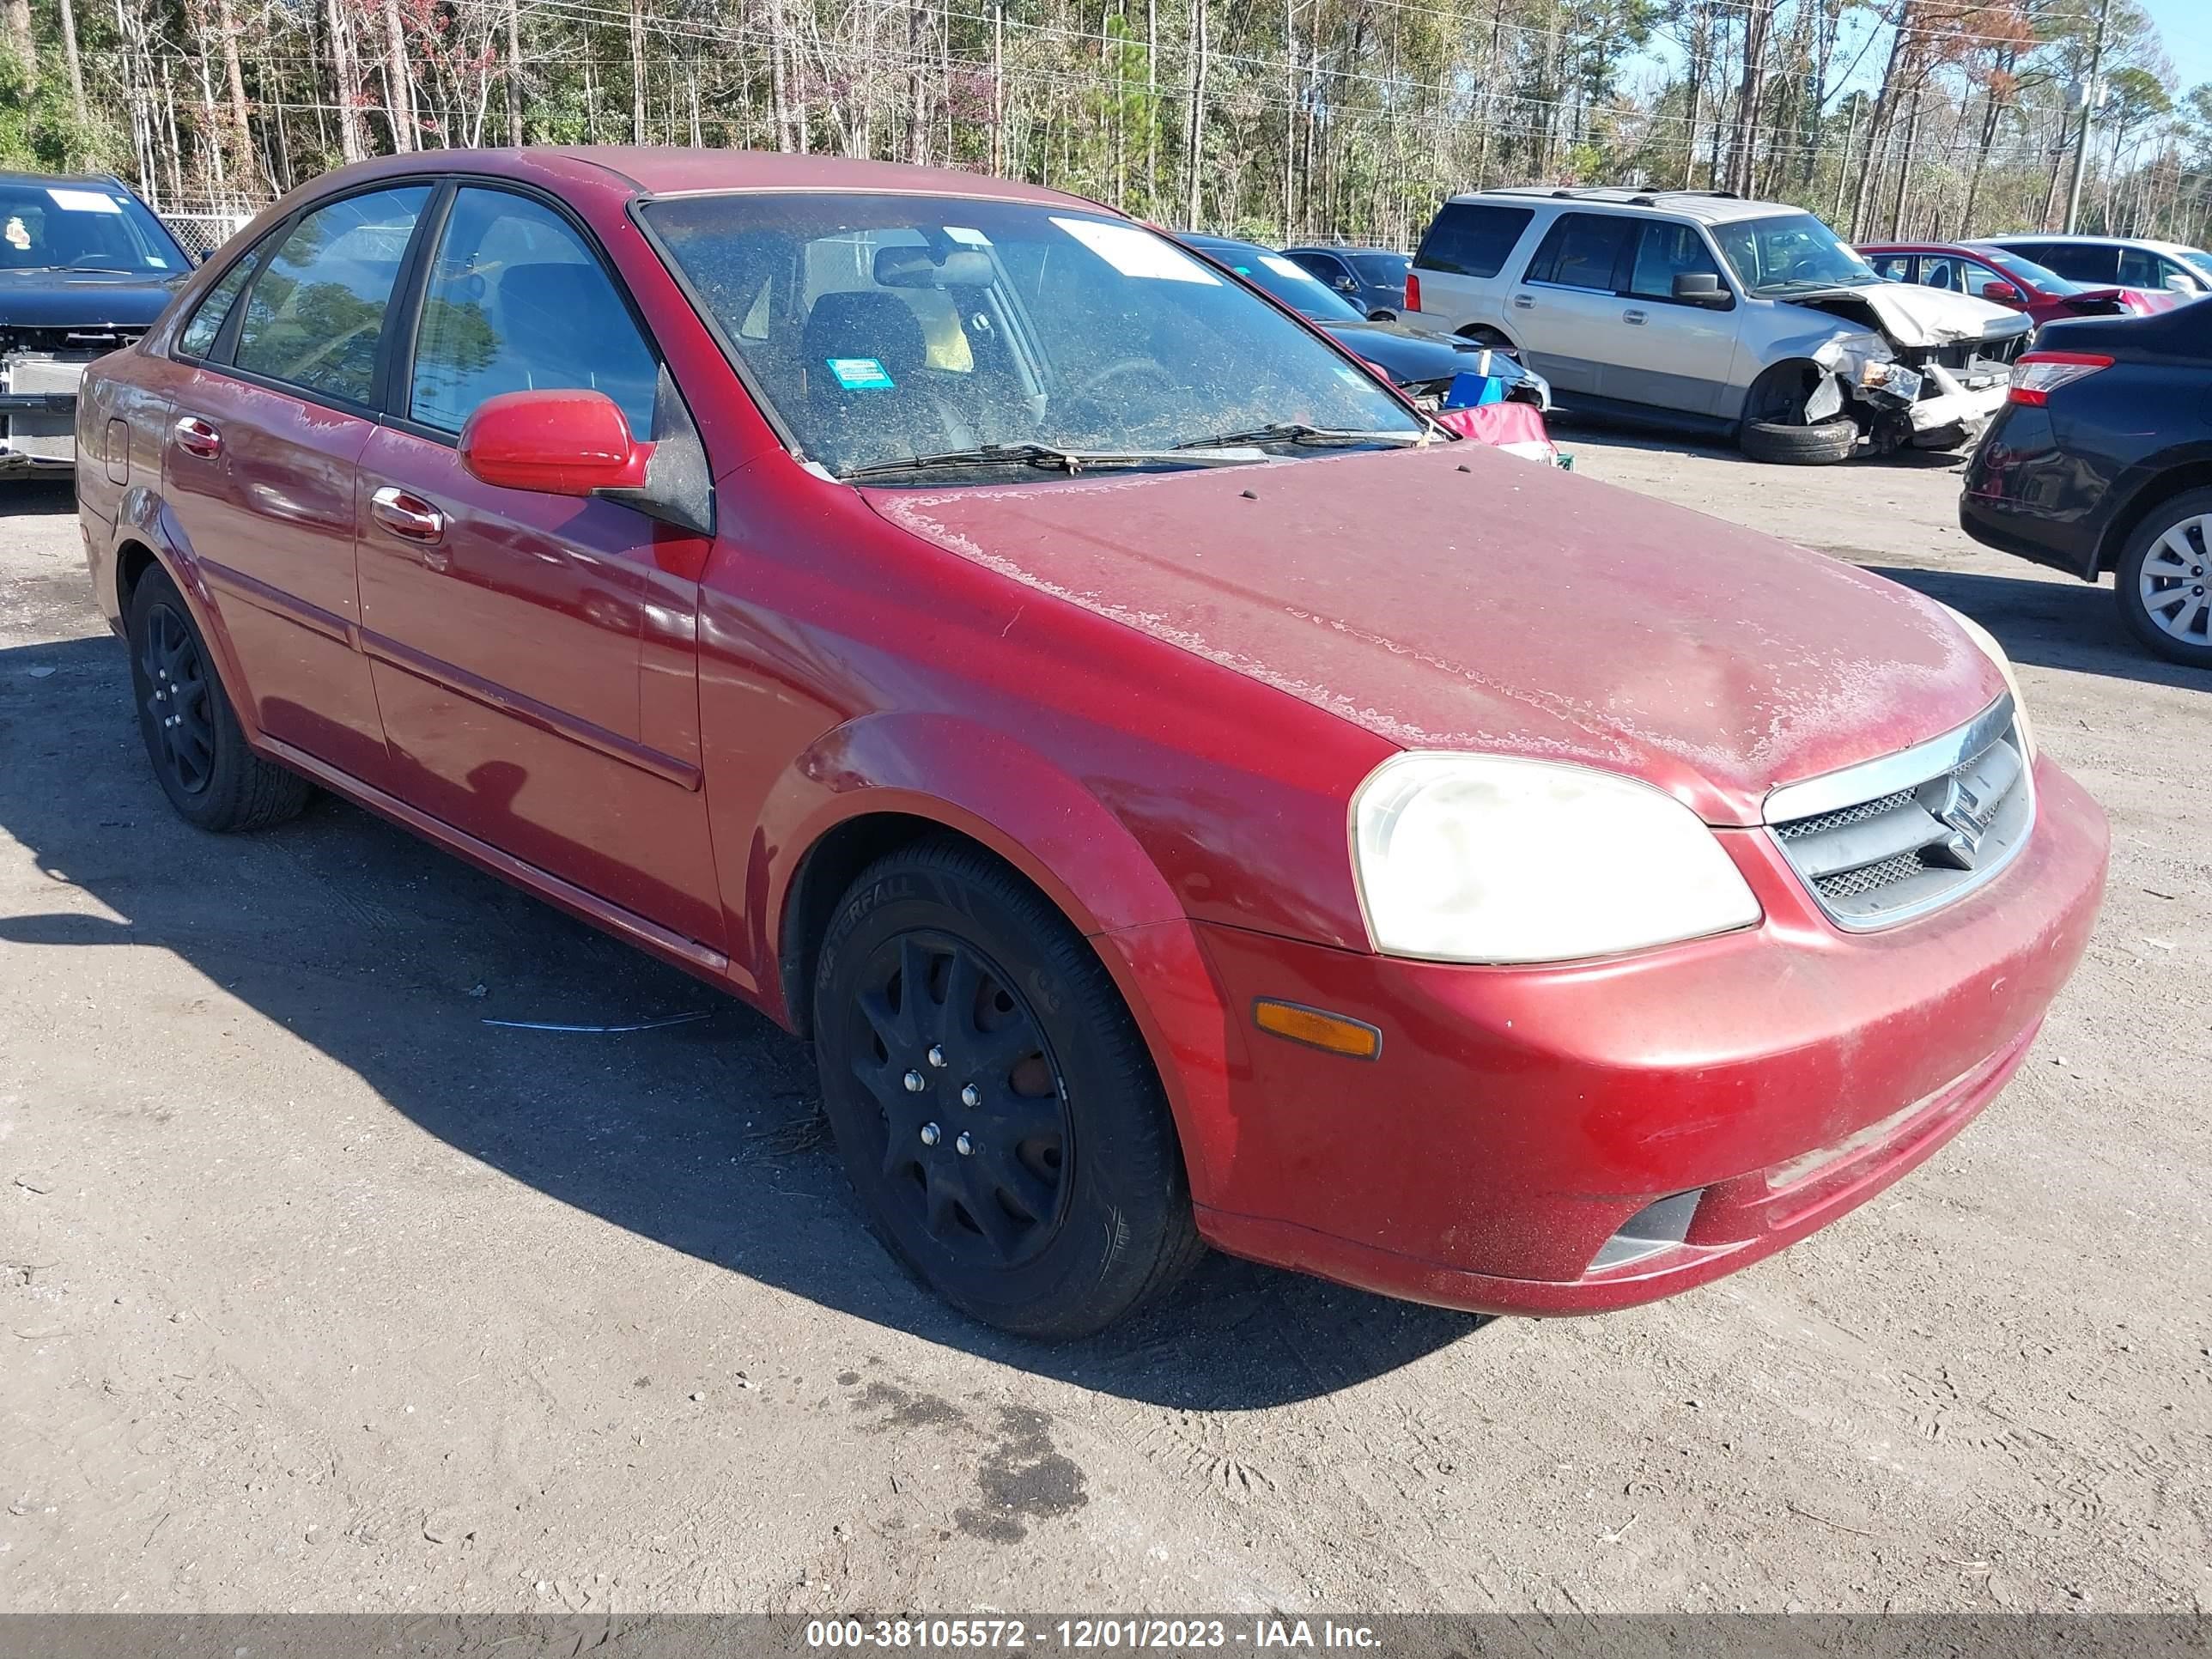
(1472, 858)
(1982, 637)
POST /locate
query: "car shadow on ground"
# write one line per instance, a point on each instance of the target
(389, 957)
(39, 497)
(1565, 425)
(2052, 623)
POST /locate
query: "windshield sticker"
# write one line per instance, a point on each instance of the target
(1135, 252)
(973, 237)
(860, 373)
(1289, 267)
(84, 201)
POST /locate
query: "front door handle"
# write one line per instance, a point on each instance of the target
(407, 516)
(1634, 319)
(1524, 302)
(196, 437)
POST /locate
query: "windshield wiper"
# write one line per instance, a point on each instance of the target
(1031, 455)
(1298, 432)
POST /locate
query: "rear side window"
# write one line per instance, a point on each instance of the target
(316, 314)
(516, 302)
(2079, 261)
(1473, 239)
(1582, 250)
(198, 336)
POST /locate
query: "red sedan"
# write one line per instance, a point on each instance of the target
(1182, 794)
(2002, 277)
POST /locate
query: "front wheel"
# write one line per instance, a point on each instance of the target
(2164, 581)
(992, 1100)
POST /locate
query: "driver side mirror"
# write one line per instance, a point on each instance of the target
(1702, 288)
(570, 443)
(1346, 285)
(2178, 283)
(2002, 294)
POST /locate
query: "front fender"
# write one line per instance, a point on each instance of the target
(969, 778)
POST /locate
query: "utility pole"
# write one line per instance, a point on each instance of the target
(2089, 108)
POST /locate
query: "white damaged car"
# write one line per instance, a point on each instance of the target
(1747, 320)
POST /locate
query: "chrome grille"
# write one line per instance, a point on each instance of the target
(1898, 837)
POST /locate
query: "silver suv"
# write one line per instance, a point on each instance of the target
(1746, 319)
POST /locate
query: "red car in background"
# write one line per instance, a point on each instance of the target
(2002, 277)
(1180, 792)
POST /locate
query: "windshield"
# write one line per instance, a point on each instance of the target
(82, 226)
(1384, 270)
(884, 328)
(1286, 279)
(1789, 253)
(2028, 271)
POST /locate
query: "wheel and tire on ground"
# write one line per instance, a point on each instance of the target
(2164, 580)
(193, 739)
(1774, 429)
(992, 1099)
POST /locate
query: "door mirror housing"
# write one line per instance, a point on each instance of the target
(2178, 283)
(1702, 288)
(576, 442)
(2000, 294)
(558, 443)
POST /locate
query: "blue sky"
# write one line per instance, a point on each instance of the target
(2186, 27)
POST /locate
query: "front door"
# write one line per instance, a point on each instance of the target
(533, 655)
(1663, 352)
(264, 439)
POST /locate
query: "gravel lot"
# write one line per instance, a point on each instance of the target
(317, 1292)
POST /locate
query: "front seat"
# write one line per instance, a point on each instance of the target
(856, 424)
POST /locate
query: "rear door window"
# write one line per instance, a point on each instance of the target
(315, 316)
(1473, 239)
(1585, 250)
(1893, 267)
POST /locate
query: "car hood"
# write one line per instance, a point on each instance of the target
(1912, 316)
(79, 299)
(1453, 598)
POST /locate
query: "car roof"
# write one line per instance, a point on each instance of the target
(668, 171)
(1709, 207)
(2010, 237)
(1346, 247)
(107, 180)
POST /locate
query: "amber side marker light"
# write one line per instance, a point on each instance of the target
(1355, 1039)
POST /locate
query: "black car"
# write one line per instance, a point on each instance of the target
(1372, 278)
(1422, 363)
(84, 268)
(2101, 459)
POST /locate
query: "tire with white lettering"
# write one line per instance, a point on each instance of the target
(1820, 444)
(192, 736)
(993, 1101)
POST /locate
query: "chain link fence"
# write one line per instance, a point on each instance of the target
(201, 234)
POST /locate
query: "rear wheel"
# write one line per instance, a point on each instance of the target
(993, 1102)
(193, 739)
(2164, 581)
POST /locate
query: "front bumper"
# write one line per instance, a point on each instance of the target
(38, 414)
(1514, 1148)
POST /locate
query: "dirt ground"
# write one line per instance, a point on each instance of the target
(319, 1292)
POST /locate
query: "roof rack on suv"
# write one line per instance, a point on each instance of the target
(1623, 193)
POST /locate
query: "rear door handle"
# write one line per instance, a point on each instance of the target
(196, 437)
(408, 517)
(1524, 302)
(1636, 318)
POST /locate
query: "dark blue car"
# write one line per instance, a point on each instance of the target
(1371, 279)
(84, 268)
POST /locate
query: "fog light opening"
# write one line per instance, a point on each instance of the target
(1657, 1226)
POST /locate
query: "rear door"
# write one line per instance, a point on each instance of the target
(1566, 310)
(534, 655)
(259, 464)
